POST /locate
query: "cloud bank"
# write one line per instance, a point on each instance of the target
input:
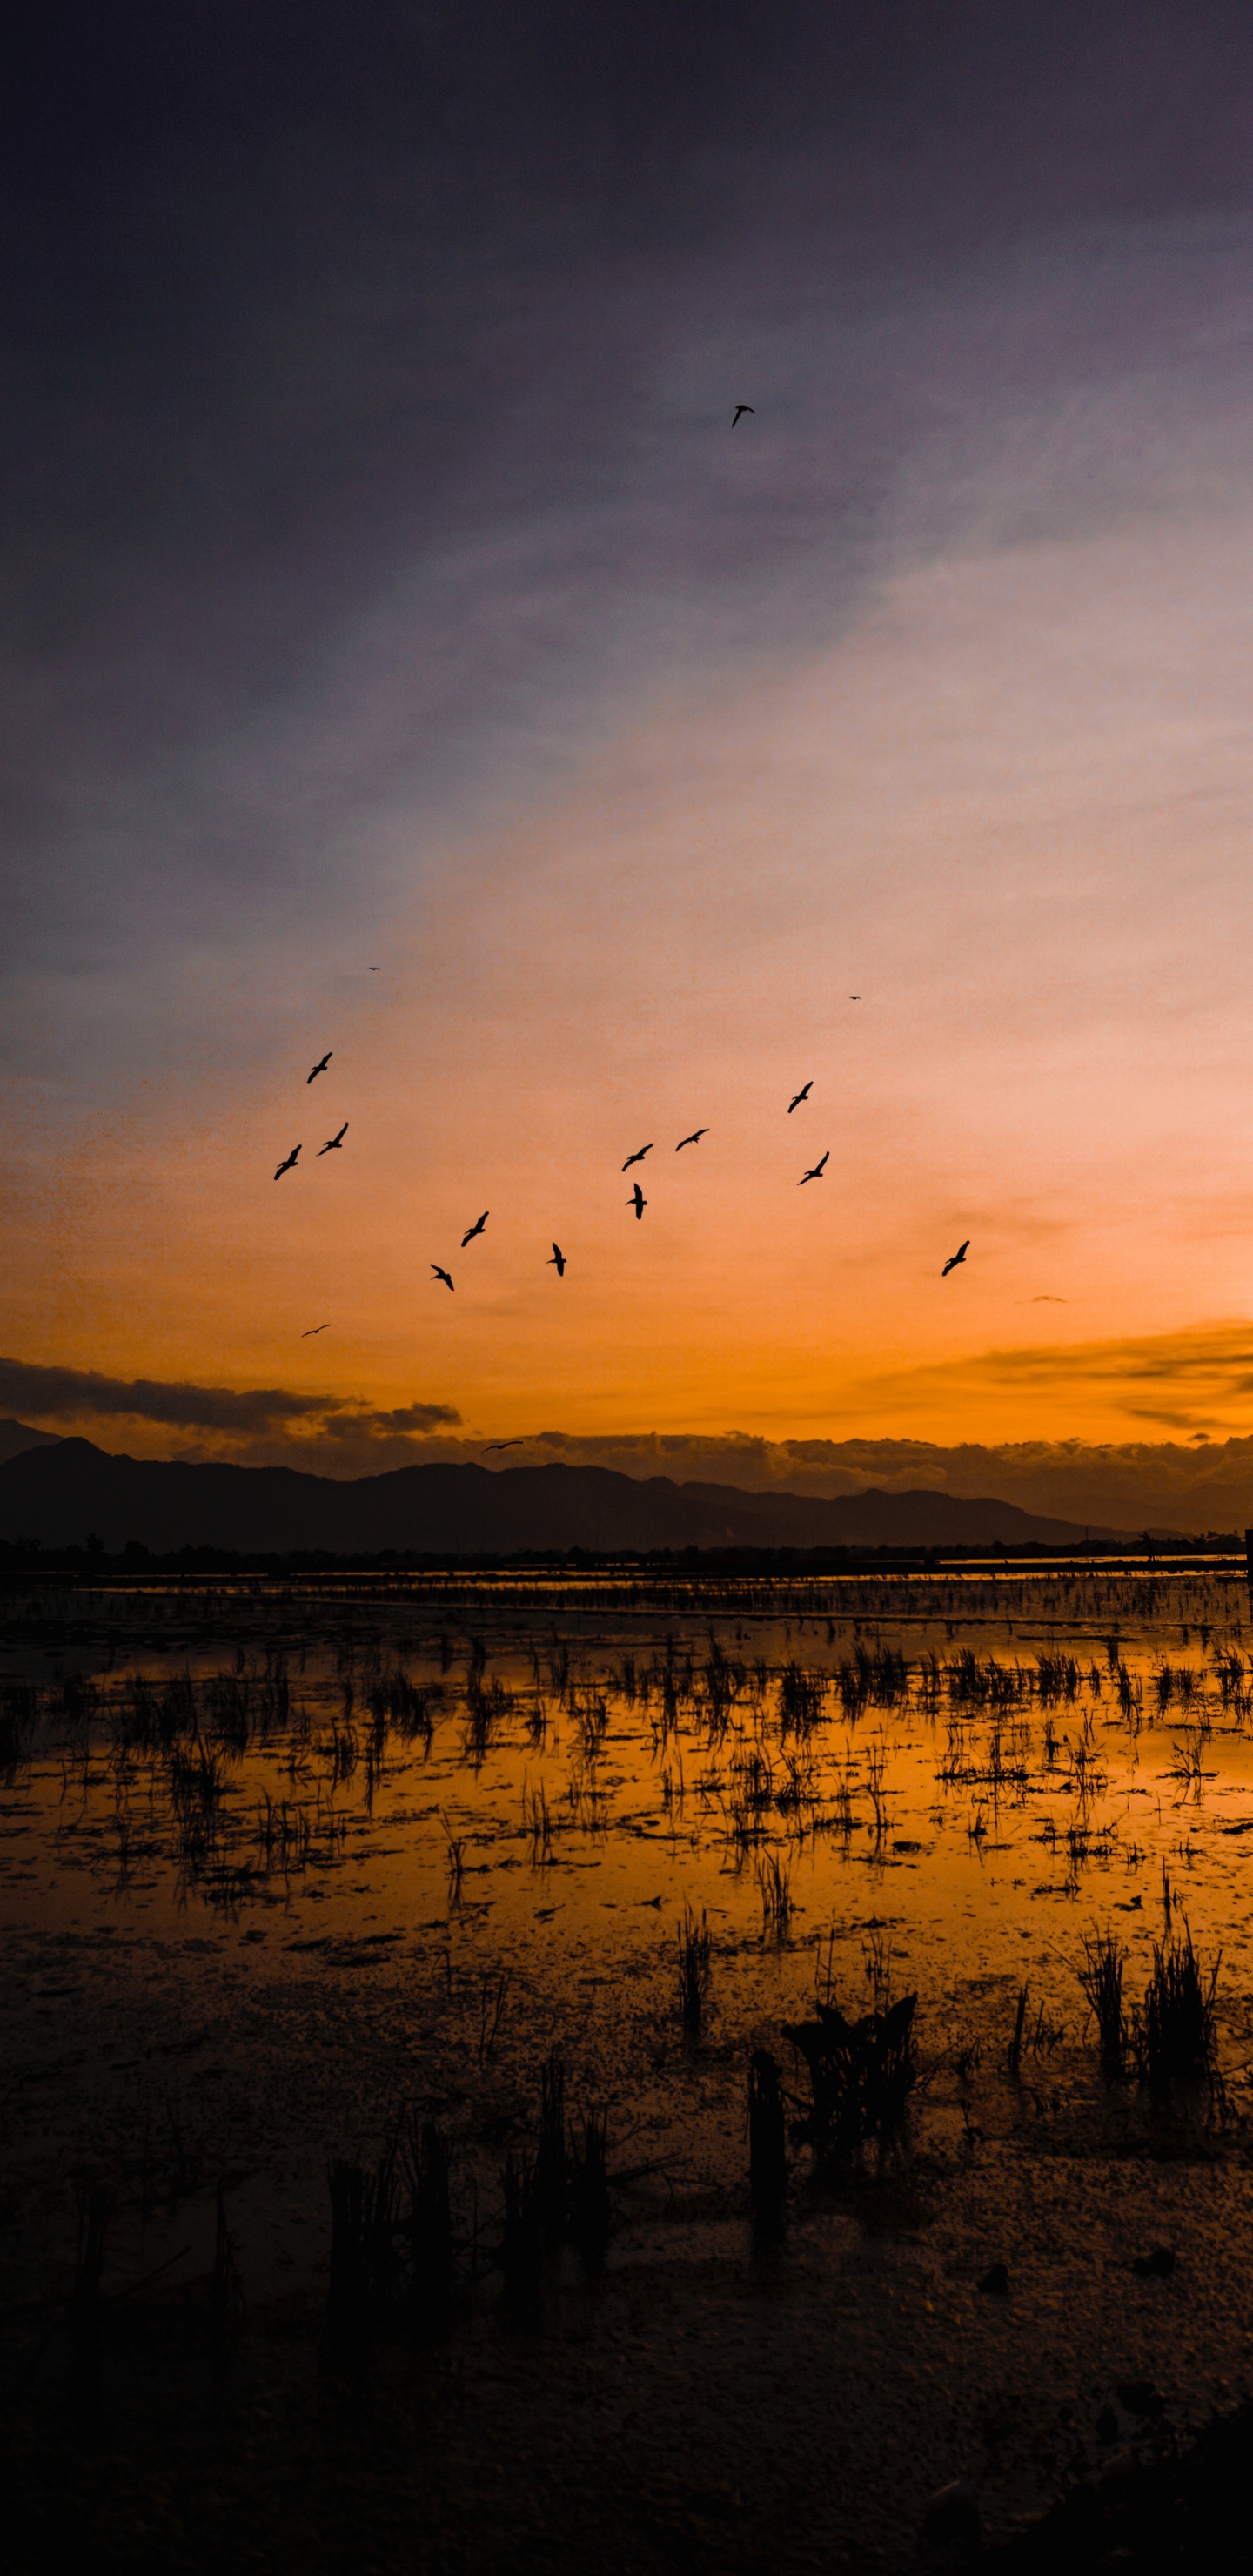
(1199, 1481)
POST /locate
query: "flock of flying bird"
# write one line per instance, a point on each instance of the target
(637, 1200)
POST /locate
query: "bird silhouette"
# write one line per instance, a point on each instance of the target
(801, 1095)
(441, 1274)
(817, 1172)
(959, 1255)
(637, 1200)
(475, 1229)
(558, 1262)
(333, 1143)
(314, 1328)
(519, 1443)
(286, 1167)
(693, 1139)
(636, 1158)
(321, 1068)
(740, 409)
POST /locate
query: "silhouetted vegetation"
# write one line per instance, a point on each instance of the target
(861, 2075)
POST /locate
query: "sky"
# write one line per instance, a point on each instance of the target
(406, 657)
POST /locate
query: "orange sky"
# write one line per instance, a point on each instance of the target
(1009, 810)
(442, 622)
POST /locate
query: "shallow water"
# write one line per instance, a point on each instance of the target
(280, 1862)
(950, 1780)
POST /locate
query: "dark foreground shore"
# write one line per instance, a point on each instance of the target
(700, 2421)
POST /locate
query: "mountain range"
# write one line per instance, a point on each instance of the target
(64, 1492)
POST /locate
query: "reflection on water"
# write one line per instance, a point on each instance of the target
(937, 1782)
(291, 1873)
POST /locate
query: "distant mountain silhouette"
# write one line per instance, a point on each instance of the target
(16, 1436)
(63, 1494)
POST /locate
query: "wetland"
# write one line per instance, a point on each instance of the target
(618, 2069)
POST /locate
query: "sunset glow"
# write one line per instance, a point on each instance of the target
(628, 762)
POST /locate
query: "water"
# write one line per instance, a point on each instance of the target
(970, 1771)
(280, 1862)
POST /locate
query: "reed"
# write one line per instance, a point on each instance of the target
(802, 1699)
(456, 1861)
(861, 2075)
(694, 1971)
(1101, 1978)
(774, 1886)
(1176, 2033)
(538, 1826)
(492, 1993)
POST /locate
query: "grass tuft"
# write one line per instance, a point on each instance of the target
(694, 1972)
(1101, 1978)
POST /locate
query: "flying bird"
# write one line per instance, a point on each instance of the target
(558, 1262)
(801, 1095)
(314, 1328)
(475, 1229)
(333, 1143)
(442, 1274)
(519, 1443)
(637, 1200)
(321, 1068)
(817, 1172)
(286, 1167)
(740, 409)
(636, 1158)
(693, 1139)
(959, 1255)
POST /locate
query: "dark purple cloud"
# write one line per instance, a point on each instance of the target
(363, 374)
(52, 1393)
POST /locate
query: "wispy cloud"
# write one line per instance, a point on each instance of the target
(1207, 1371)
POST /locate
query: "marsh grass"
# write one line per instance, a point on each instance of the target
(861, 2075)
(1101, 1977)
(456, 1851)
(694, 1947)
(801, 1700)
(1176, 2036)
(486, 1705)
(537, 1824)
(774, 1885)
(493, 1991)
